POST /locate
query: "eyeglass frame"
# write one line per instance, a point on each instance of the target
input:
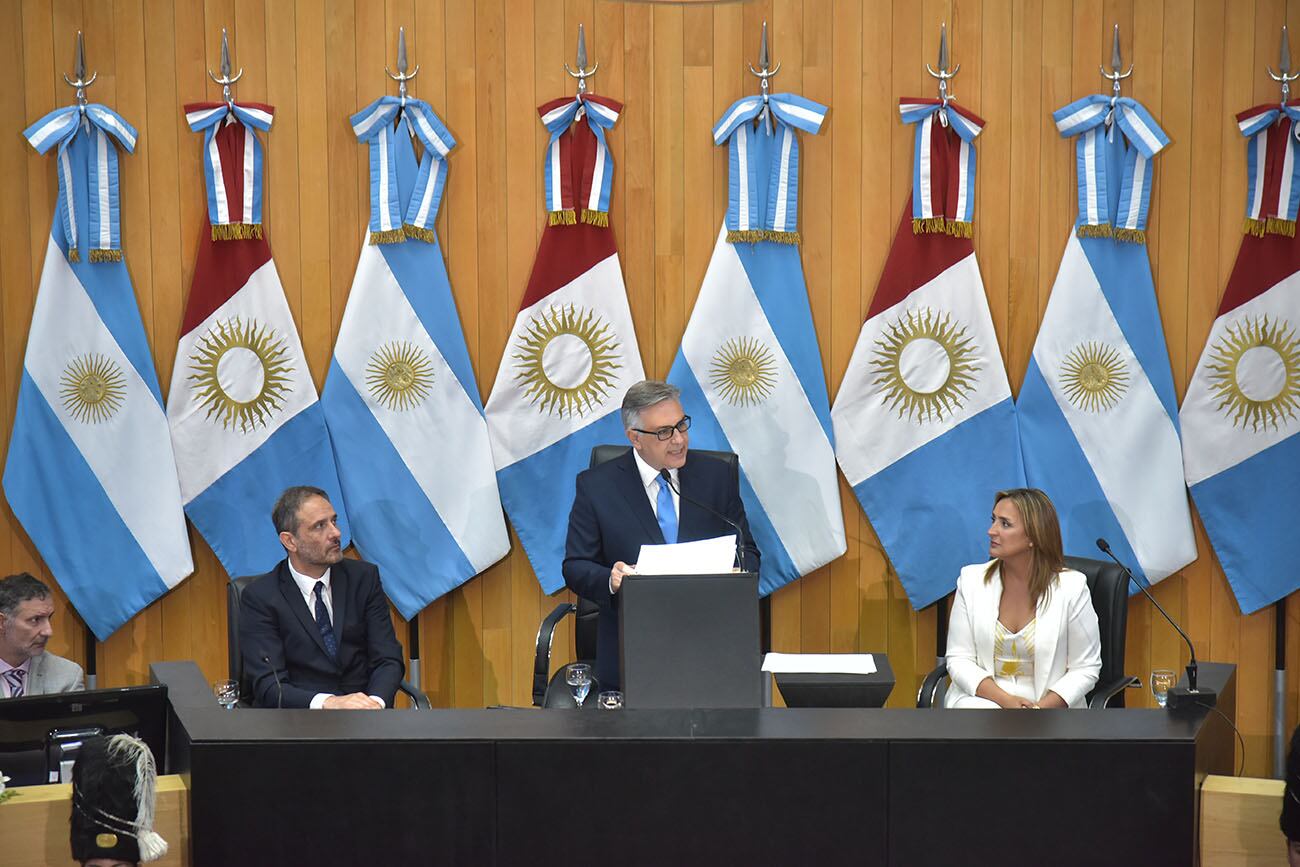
(681, 427)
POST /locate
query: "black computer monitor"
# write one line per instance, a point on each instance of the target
(29, 726)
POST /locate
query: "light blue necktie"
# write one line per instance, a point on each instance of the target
(667, 514)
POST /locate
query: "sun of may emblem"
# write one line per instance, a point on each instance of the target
(1094, 376)
(399, 375)
(240, 372)
(925, 364)
(568, 360)
(1255, 372)
(743, 372)
(93, 388)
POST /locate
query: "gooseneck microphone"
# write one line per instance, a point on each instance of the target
(1207, 695)
(279, 690)
(740, 534)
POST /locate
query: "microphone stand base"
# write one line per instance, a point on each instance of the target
(1181, 697)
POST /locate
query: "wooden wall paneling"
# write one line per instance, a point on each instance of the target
(995, 145)
(879, 216)
(700, 230)
(461, 203)
(493, 329)
(840, 314)
(1028, 138)
(670, 195)
(635, 131)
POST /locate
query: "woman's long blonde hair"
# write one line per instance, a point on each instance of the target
(1044, 531)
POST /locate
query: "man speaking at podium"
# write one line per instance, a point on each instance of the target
(625, 503)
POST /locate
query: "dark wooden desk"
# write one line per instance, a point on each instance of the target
(744, 786)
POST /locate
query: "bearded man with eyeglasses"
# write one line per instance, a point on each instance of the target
(625, 503)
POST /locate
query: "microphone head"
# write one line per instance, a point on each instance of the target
(1103, 545)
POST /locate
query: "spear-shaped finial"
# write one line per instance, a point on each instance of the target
(225, 80)
(79, 70)
(943, 73)
(764, 61)
(943, 47)
(582, 73)
(402, 77)
(1284, 64)
(1116, 62)
(1115, 76)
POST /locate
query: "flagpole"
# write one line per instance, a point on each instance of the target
(1280, 735)
(413, 642)
(91, 676)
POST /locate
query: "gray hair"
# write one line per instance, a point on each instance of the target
(285, 513)
(646, 393)
(17, 589)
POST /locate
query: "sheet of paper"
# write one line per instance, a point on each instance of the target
(705, 557)
(820, 663)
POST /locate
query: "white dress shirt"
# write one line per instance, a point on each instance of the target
(307, 587)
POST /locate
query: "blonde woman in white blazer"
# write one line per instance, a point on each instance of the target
(1023, 633)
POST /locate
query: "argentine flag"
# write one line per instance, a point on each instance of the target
(90, 472)
(244, 416)
(572, 353)
(749, 367)
(400, 400)
(1098, 416)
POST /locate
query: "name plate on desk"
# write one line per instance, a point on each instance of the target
(690, 641)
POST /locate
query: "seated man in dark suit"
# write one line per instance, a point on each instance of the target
(623, 504)
(317, 622)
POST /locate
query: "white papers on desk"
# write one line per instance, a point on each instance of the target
(819, 663)
(705, 557)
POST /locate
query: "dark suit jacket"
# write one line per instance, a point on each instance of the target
(612, 519)
(274, 621)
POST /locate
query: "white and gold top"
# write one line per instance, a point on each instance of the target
(1013, 659)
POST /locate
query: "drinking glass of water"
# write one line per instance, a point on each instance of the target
(1162, 680)
(227, 693)
(578, 676)
(612, 700)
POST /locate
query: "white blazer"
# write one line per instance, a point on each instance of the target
(1067, 642)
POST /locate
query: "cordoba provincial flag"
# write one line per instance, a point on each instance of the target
(401, 400)
(244, 416)
(1241, 453)
(90, 472)
(1098, 418)
(749, 367)
(925, 429)
(572, 352)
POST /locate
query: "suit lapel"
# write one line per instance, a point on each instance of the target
(1045, 634)
(298, 605)
(629, 485)
(986, 625)
(35, 684)
(340, 584)
(690, 517)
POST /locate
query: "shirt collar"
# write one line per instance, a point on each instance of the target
(26, 666)
(649, 473)
(305, 584)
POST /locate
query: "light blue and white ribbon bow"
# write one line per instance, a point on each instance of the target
(101, 124)
(947, 207)
(776, 219)
(374, 125)
(1086, 119)
(565, 194)
(241, 218)
(1272, 173)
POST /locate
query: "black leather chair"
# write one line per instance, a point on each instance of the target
(235, 659)
(1109, 587)
(554, 691)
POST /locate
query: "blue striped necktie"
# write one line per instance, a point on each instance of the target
(323, 622)
(667, 515)
(15, 678)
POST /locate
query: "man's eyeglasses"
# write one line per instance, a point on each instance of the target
(666, 433)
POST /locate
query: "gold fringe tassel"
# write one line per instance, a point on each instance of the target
(1100, 231)
(418, 233)
(928, 226)
(595, 218)
(1131, 236)
(959, 229)
(388, 236)
(753, 236)
(1278, 226)
(562, 218)
(106, 255)
(74, 255)
(236, 231)
(1254, 227)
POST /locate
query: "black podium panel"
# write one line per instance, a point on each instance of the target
(692, 802)
(689, 641)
